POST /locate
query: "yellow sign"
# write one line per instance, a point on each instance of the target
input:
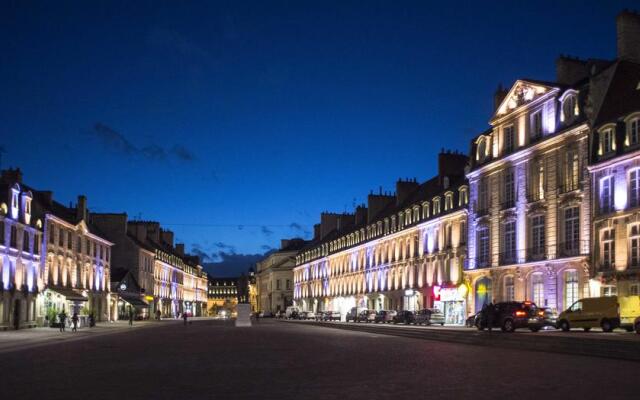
(149, 298)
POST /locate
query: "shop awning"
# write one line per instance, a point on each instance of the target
(69, 294)
(133, 299)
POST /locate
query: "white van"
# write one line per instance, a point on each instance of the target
(290, 311)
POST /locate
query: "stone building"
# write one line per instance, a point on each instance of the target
(20, 249)
(274, 277)
(171, 281)
(403, 251)
(222, 296)
(615, 167)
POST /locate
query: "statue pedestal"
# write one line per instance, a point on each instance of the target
(244, 315)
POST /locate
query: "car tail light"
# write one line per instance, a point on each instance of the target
(541, 313)
(520, 313)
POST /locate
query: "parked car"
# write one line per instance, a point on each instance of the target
(309, 315)
(549, 317)
(603, 312)
(290, 310)
(636, 325)
(319, 316)
(353, 314)
(385, 316)
(334, 315)
(363, 316)
(511, 315)
(279, 314)
(429, 316)
(404, 317)
(471, 321)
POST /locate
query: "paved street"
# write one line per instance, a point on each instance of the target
(213, 359)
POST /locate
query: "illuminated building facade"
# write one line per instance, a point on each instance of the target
(274, 277)
(171, 281)
(530, 203)
(20, 247)
(222, 296)
(404, 251)
(615, 168)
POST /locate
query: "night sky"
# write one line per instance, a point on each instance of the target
(235, 125)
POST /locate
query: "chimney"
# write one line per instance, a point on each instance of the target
(404, 190)
(284, 243)
(628, 35)
(451, 164)
(328, 222)
(345, 221)
(498, 96)
(81, 208)
(12, 175)
(167, 237)
(361, 215)
(376, 203)
(180, 248)
(570, 70)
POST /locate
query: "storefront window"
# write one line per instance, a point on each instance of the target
(538, 289)
(571, 287)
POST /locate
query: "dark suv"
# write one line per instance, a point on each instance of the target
(510, 316)
(404, 317)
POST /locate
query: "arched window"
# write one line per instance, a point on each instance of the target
(537, 289)
(569, 109)
(509, 288)
(633, 131)
(483, 293)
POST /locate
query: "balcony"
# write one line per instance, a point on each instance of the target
(568, 187)
(507, 204)
(533, 197)
(481, 212)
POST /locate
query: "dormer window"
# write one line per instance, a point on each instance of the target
(633, 131)
(448, 201)
(463, 196)
(569, 109)
(436, 206)
(425, 210)
(15, 190)
(26, 207)
(482, 148)
(607, 142)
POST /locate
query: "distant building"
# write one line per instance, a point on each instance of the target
(274, 277)
(171, 281)
(222, 296)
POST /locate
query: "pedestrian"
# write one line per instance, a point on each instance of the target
(158, 315)
(184, 317)
(74, 320)
(92, 321)
(130, 317)
(63, 320)
(491, 309)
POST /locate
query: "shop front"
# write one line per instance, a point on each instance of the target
(67, 300)
(451, 300)
(130, 303)
(410, 300)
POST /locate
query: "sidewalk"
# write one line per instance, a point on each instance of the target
(27, 338)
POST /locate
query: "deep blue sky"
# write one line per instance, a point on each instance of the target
(236, 124)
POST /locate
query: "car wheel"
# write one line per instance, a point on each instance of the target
(606, 325)
(536, 329)
(587, 328)
(638, 328)
(629, 328)
(442, 324)
(508, 325)
(564, 325)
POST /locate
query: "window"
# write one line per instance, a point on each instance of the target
(608, 145)
(25, 241)
(36, 244)
(509, 190)
(634, 131)
(537, 283)
(576, 306)
(634, 244)
(571, 230)
(509, 139)
(634, 188)
(569, 109)
(606, 195)
(51, 234)
(634, 290)
(571, 286)
(483, 246)
(463, 196)
(61, 235)
(536, 125)
(571, 171)
(448, 201)
(537, 235)
(509, 290)
(509, 251)
(69, 241)
(483, 196)
(608, 248)
(482, 149)
(609, 290)
(447, 235)
(277, 284)
(288, 284)
(425, 211)
(537, 182)
(436, 206)
(463, 232)
(14, 237)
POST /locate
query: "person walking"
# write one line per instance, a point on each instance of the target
(184, 317)
(130, 317)
(74, 320)
(63, 320)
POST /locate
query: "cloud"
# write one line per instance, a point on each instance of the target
(266, 231)
(300, 229)
(119, 142)
(266, 247)
(182, 153)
